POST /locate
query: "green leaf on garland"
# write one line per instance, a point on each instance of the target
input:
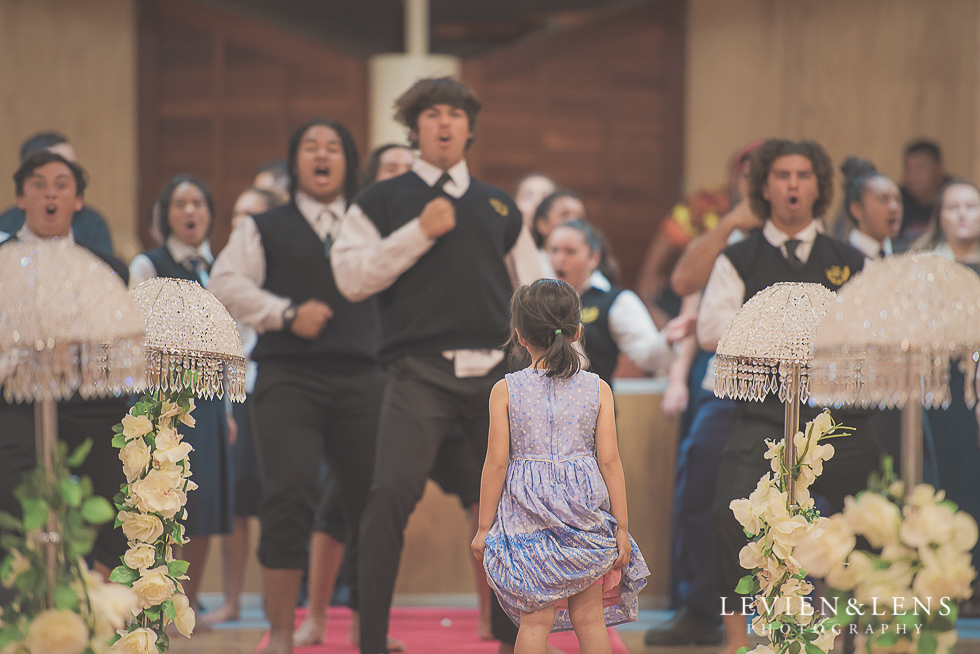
(9, 634)
(152, 613)
(69, 491)
(747, 585)
(65, 598)
(76, 458)
(742, 650)
(168, 609)
(97, 510)
(813, 649)
(927, 643)
(163, 642)
(123, 575)
(177, 568)
(794, 647)
(35, 512)
(119, 441)
(10, 523)
(81, 541)
(117, 428)
(886, 639)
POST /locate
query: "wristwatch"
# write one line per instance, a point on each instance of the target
(288, 316)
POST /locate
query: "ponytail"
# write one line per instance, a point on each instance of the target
(547, 315)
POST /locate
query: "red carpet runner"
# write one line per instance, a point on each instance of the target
(430, 631)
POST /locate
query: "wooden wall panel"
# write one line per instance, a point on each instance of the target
(600, 108)
(860, 77)
(220, 94)
(70, 67)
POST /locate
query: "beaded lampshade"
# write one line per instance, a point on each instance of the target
(191, 339)
(66, 324)
(892, 332)
(770, 333)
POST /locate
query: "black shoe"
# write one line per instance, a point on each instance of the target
(684, 629)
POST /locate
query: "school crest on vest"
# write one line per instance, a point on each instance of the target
(589, 315)
(837, 275)
(499, 207)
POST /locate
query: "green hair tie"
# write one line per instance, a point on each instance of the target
(557, 331)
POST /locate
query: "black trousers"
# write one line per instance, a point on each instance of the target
(743, 463)
(424, 404)
(77, 420)
(302, 417)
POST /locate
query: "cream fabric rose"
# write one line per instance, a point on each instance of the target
(112, 604)
(945, 573)
(964, 532)
(140, 557)
(138, 641)
(138, 527)
(184, 618)
(57, 632)
(826, 546)
(135, 458)
(157, 493)
(187, 418)
(859, 567)
(927, 524)
(750, 557)
(154, 587)
(172, 453)
(169, 410)
(136, 426)
(873, 516)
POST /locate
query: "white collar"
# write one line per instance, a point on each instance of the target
(181, 251)
(868, 245)
(778, 237)
(25, 234)
(311, 209)
(599, 282)
(459, 176)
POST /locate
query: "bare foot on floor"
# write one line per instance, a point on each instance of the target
(224, 613)
(277, 647)
(311, 632)
(354, 635)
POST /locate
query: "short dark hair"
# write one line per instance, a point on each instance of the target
(772, 149)
(42, 158)
(924, 146)
(547, 313)
(40, 142)
(429, 92)
(373, 164)
(351, 160)
(167, 196)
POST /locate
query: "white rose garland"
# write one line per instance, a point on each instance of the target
(151, 508)
(775, 528)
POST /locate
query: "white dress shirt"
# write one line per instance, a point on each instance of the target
(633, 330)
(725, 291)
(868, 245)
(142, 269)
(239, 271)
(364, 263)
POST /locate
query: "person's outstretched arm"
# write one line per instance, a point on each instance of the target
(611, 467)
(495, 466)
(692, 270)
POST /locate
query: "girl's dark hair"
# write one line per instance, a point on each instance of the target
(545, 207)
(597, 242)
(934, 235)
(547, 314)
(768, 152)
(373, 164)
(167, 196)
(351, 159)
(857, 173)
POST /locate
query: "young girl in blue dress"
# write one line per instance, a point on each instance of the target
(553, 522)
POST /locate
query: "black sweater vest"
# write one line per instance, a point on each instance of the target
(165, 265)
(297, 267)
(600, 347)
(457, 295)
(760, 264)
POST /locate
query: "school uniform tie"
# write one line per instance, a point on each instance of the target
(794, 261)
(200, 268)
(442, 181)
(326, 217)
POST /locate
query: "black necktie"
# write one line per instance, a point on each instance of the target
(794, 261)
(881, 253)
(199, 268)
(441, 183)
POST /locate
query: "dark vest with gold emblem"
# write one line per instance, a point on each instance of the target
(457, 295)
(600, 347)
(760, 264)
